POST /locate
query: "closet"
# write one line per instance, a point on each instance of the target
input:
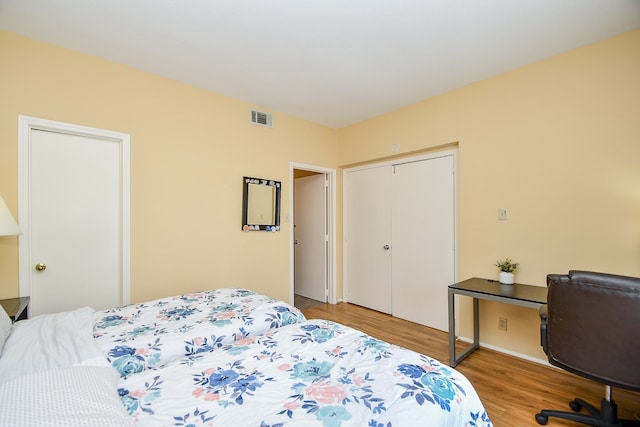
(400, 237)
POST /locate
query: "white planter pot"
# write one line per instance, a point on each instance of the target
(506, 278)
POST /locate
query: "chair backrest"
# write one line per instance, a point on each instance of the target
(593, 326)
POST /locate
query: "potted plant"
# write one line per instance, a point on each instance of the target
(507, 267)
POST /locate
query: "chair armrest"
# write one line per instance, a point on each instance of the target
(543, 327)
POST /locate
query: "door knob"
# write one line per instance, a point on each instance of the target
(386, 247)
(41, 267)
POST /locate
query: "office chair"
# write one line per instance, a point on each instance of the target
(591, 327)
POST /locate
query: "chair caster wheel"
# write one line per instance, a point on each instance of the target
(575, 406)
(542, 419)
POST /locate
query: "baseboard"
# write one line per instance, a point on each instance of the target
(509, 352)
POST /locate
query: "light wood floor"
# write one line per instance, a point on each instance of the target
(512, 390)
(304, 302)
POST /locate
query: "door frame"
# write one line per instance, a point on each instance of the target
(28, 124)
(345, 207)
(331, 229)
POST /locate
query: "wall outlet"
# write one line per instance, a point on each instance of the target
(502, 214)
(502, 323)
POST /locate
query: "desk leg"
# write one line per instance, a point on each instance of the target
(453, 358)
(452, 329)
(476, 324)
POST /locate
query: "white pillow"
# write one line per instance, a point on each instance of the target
(77, 396)
(50, 341)
(5, 327)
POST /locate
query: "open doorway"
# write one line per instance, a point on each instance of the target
(312, 235)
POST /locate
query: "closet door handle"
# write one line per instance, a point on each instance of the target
(386, 247)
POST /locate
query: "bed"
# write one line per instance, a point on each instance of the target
(310, 373)
(152, 334)
(293, 372)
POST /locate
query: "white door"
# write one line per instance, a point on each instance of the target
(368, 237)
(310, 237)
(423, 240)
(76, 221)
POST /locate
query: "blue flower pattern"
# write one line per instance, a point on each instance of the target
(231, 385)
(433, 384)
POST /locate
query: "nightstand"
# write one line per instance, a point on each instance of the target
(16, 308)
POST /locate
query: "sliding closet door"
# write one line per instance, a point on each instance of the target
(368, 238)
(423, 223)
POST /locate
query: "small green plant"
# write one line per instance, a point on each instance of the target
(507, 265)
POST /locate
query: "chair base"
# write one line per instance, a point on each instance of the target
(607, 416)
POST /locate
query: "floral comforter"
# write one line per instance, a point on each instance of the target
(313, 373)
(136, 337)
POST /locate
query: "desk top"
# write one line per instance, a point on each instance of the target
(493, 289)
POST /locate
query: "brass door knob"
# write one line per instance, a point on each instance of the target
(41, 267)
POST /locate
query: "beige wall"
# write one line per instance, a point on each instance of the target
(556, 144)
(189, 151)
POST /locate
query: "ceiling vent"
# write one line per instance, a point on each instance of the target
(261, 119)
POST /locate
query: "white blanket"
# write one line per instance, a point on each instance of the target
(50, 341)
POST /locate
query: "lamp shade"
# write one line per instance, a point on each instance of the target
(8, 226)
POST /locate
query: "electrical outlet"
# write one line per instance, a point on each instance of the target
(502, 323)
(502, 214)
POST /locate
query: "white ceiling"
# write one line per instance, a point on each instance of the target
(333, 62)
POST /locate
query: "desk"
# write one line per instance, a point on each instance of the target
(16, 308)
(516, 294)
